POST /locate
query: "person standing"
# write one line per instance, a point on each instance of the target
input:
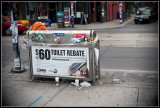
(41, 9)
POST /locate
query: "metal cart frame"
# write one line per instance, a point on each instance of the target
(93, 68)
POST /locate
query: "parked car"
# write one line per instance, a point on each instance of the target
(25, 22)
(6, 24)
(145, 15)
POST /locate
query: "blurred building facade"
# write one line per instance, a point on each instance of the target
(103, 11)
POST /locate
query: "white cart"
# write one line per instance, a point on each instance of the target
(67, 54)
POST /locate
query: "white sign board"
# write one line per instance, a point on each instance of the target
(78, 14)
(62, 62)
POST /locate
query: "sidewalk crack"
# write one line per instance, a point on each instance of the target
(138, 95)
(55, 95)
(105, 51)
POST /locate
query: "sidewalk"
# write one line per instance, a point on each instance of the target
(110, 24)
(135, 87)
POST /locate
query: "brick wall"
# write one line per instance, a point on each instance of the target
(112, 9)
(109, 11)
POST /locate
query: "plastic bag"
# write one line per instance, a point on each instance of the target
(24, 43)
(85, 84)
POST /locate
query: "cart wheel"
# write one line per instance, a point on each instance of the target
(99, 75)
(31, 78)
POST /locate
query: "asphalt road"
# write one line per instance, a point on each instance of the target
(124, 57)
(130, 58)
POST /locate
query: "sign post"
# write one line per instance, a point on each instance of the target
(120, 12)
(17, 62)
(72, 14)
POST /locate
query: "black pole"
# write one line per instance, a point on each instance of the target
(17, 62)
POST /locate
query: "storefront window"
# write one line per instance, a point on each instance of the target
(103, 9)
(31, 10)
(42, 9)
(82, 7)
(62, 5)
(59, 6)
(5, 9)
(21, 10)
(67, 4)
(27, 11)
(36, 10)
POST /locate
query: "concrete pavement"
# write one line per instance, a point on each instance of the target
(135, 88)
(110, 24)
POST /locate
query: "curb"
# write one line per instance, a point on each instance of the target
(130, 71)
(123, 24)
(92, 28)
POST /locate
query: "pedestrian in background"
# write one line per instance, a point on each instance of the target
(41, 26)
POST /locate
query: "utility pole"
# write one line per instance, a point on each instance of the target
(17, 62)
(120, 12)
(72, 14)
